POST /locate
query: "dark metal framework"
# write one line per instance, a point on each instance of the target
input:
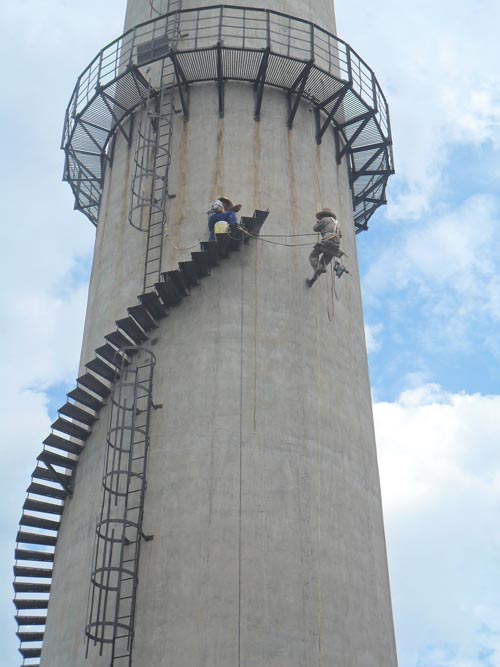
(53, 477)
(119, 530)
(224, 43)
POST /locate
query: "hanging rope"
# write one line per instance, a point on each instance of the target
(288, 236)
(329, 293)
(181, 249)
(265, 240)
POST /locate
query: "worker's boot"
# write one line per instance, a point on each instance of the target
(310, 281)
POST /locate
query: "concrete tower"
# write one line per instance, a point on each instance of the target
(209, 495)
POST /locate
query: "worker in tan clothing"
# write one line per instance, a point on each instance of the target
(329, 245)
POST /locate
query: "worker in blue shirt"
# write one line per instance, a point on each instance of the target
(222, 210)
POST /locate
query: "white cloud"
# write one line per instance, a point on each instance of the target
(435, 62)
(440, 470)
(44, 243)
(447, 268)
(373, 334)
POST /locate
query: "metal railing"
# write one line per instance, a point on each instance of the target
(239, 29)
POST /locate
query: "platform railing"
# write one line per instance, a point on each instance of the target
(232, 28)
(239, 27)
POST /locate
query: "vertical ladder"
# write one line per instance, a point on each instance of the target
(149, 193)
(119, 529)
(163, 123)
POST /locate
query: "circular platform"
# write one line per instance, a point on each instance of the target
(224, 43)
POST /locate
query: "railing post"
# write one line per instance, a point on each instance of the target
(349, 63)
(221, 15)
(132, 46)
(374, 93)
(312, 40)
(99, 70)
(268, 28)
(75, 101)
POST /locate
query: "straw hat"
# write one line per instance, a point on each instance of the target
(228, 204)
(324, 213)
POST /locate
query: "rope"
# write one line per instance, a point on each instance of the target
(196, 245)
(330, 309)
(288, 236)
(265, 240)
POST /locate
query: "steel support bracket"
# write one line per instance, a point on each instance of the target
(220, 80)
(67, 487)
(338, 98)
(298, 88)
(260, 82)
(182, 85)
(111, 104)
(365, 119)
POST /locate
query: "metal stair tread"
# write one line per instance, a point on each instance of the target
(222, 245)
(169, 293)
(101, 368)
(32, 554)
(200, 258)
(30, 604)
(30, 636)
(39, 522)
(154, 305)
(89, 381)
(70, 428)
(190, 273)
(235, 239)
(109, 354)
(34, 572)
(30, 652)
(143, 318)
(32, 505)
(119, 340)
(47, 491)
(31, 587)
(74, 412)
(65, 445)
(212, 250)
(24, 537)
(47, 475)
(30, 620)
(56, 459)
(84, 398)
(179, 280)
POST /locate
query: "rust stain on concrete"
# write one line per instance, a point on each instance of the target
(292, 186)
(256, 164)
(180, 199)
(218, 186)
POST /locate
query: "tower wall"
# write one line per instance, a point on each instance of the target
(321, 12)
(263, 492)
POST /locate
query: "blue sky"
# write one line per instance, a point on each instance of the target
(431, 293)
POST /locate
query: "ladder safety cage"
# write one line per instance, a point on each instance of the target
(119, 528)
(152, 159)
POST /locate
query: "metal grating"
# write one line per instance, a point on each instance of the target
(223, 43)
